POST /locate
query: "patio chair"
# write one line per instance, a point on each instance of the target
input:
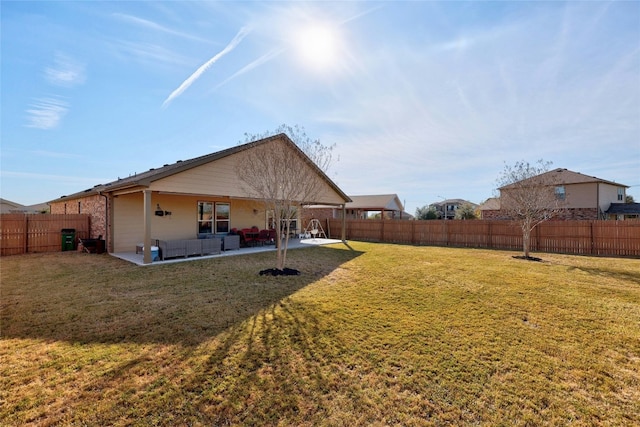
(263, 237)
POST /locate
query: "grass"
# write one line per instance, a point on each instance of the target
(377, 335)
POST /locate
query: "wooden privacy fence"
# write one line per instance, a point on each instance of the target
(609, 238)
(25, 233)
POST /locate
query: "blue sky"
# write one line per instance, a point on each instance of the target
(428, 100)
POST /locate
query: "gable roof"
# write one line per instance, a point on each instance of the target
(145, 179)
(376, 202)
(565, 177)
(491, 204)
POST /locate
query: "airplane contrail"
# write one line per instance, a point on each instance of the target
(193, 77)
(264, 58)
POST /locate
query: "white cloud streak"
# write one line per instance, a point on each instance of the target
(193, 77)
(46, 113)
(155, 26)
(65, 72)
(263, 59)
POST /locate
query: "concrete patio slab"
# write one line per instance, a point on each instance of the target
(136, 258)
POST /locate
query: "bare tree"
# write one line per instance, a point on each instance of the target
(466, 211)
(530, 195)
(285, 171)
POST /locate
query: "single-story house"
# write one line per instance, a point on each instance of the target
(7, 206)
(182, 200)
(387, 205)
(623, 211)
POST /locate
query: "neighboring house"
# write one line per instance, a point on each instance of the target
(387, 205)
(7, 206)
(580, 196)
(490, 209)
(446, 209)
(180, 200)
(623, 211)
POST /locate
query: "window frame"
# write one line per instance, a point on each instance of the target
(199, 216)
(216, 218)
(218, 221)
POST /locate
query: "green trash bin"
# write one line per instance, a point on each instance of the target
(68, 239)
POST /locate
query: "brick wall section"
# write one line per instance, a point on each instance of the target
(570, 214)
(320, 213)
(493, 214)
(94, 206)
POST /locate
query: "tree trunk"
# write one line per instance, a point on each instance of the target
(526, 237)
(279, 251)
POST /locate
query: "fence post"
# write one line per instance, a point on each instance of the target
(490, 236)
(25, 240)
(413, 232)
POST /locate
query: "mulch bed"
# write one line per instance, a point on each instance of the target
(278, 272)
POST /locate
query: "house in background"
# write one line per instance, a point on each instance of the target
(181, 200)
(580, 196)
(490, 209)
(622, 211)
(7, 206)
(446, 209)
(388, 206)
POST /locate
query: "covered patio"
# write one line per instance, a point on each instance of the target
(138, 258)
(187, 199)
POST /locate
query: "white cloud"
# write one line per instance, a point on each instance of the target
(65, 71)
(155, 26)
(46, 113)
(147, 53)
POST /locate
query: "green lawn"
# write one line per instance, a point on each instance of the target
(373, 335)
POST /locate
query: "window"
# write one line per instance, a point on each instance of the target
(222, 217)
(291, 219)
(207, 223)
(621, 194)
(560, 193)
(205, 217)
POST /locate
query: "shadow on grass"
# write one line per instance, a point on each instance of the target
(614, 273)
(278, 365)
(87, 299)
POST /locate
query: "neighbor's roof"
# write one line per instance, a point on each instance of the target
(376, 202)
(491, 204)
(144, 179)
(567, 177)
(624, 209)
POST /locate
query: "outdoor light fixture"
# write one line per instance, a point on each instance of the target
(160, 212)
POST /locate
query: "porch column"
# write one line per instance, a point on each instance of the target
(147, 227)
(344, 223)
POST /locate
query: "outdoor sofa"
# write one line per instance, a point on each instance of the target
(189, 247)
(229, 241)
